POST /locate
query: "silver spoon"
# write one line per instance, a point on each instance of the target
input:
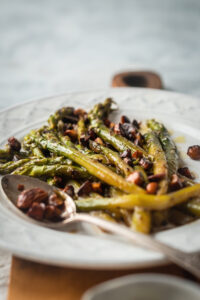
(188, 261)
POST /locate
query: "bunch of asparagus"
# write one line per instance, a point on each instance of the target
(124, 172)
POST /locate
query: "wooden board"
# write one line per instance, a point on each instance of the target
(34, 281)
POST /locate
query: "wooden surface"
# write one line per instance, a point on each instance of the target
(33, 281)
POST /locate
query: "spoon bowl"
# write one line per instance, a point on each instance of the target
(10, 185)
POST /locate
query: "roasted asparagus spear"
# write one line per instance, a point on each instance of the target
(150, 202)
(113, 158)
(117, 141)
(167, 144)
(50, 141)
(12, 165)
(159, 160)
(54, 170)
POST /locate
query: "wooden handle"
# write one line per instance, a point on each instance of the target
(144, 79)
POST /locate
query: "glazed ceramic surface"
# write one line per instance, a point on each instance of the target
(144, 287)
(87, 248)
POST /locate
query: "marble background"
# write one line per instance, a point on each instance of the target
(49, 46)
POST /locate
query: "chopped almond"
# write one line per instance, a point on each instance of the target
(137, 154)
(152, 187)
(71, 133)
(135, 178)
(96, 187)
(99, 141)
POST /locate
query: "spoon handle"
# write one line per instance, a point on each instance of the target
(188, 261)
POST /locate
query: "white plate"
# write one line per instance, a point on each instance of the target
(179, 112)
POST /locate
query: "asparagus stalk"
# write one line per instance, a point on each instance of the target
(40, 162)
(54, 170)
(101, 110)
(29, 145)
(193, 207)
(81, 129)
(79, 147)
(60, 114)
(103, 215)
(159, 160)
(12, 165)
(149, 202)
(99, 157)
(51, 181)
(119, 142)
(141, 220)
(90, 154)
(76, 185)
(50, 141)
(167, 144)
(160, 217)
(37, 152)
(52, 121)
(5, 154)
(113, 157)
